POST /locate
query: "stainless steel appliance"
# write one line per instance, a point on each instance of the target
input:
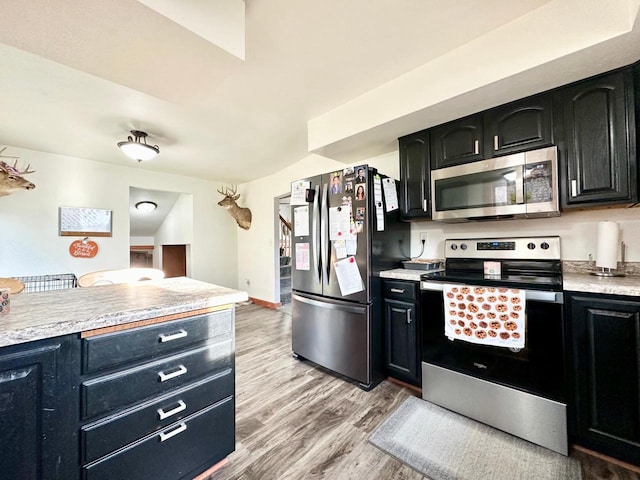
(519, 185)
(342, 332)
(518, 390)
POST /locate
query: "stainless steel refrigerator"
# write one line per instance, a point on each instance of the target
(342, 332)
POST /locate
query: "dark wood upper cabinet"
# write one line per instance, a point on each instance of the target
(599, 141)
(457, 142)
(521, 125)
(415, 198)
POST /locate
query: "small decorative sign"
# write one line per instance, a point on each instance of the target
(83, 248)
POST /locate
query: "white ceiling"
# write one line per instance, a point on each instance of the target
(76, 76)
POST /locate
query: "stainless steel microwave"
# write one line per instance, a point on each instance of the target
(521, 185)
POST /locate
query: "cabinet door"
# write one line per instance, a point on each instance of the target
(37, 436)
(415, 201)
(518, 126)
(401, 340)
(606, 342)
(457, 142)
(599, 128)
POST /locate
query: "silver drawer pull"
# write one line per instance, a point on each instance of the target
(168, 376)
(172, 433)
(408, 316)
(167, 337)
(397, 290)
(181, 406)
(476, 147)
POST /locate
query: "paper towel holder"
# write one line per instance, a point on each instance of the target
(620, 271)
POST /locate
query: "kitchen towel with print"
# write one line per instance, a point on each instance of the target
(484, 315)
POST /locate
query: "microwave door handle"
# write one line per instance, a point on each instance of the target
(519, 185)
(315, 228)
(324, 233)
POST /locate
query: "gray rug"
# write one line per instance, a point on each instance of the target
(443, 445)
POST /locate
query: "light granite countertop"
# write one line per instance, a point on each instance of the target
(34, 316)
(571, 281)
(587, 283)
(402, 274)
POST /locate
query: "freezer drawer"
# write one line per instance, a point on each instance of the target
(335, 335)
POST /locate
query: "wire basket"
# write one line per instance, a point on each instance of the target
(42, 283)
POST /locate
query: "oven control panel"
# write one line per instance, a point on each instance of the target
(525, 248)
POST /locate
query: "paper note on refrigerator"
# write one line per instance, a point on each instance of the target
(390, 194)
(340, 246)
(351, 246)
(298, 191)
(377, 197)
(302, 256)
(348, 275)
(301, 221)
(339, 222)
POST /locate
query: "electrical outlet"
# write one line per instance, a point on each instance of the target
(424, 237)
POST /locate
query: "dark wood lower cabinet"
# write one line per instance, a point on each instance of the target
(145, 403)
(38, 438)
(401, 330)
(605, 343)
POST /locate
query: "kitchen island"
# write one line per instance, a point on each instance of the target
(119, 381)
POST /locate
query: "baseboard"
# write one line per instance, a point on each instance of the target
(413, 388)
(607, 458)
(264, 303)
(204, 475)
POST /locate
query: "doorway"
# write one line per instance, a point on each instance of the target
(283, 255)
(174, 260)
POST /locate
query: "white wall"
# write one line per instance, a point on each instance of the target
(257, 250)
(29, 241)
(577, 230)
(141, 241)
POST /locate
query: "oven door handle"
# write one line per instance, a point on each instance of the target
(530, 295)
(547, 297)
(432, 286)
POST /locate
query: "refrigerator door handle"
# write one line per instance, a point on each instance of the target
(331, 306)
(325, 245)
(315, 226)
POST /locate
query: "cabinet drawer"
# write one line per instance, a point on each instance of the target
(400, 290)
(109, 392)
(113, 349)
(105, 436)
(197, 442)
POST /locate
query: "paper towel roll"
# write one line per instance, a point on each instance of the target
(607, 253)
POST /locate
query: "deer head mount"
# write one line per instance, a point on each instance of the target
(11, 178)
(241, 214)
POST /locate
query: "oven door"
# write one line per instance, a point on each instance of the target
(537, 369)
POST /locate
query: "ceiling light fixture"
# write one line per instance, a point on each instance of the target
(146, 206)
(136, 147)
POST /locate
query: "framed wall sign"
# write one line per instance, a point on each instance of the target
(82, 222)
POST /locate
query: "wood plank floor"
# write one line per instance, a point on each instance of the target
(295, 421)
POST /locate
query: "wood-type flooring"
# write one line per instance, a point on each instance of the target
(296, 421)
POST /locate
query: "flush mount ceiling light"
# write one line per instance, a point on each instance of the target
(146, 206)
(136, 147)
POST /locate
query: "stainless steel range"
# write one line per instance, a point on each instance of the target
(493, 336)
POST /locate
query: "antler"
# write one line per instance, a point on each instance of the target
(26, 170)
(229, 192)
